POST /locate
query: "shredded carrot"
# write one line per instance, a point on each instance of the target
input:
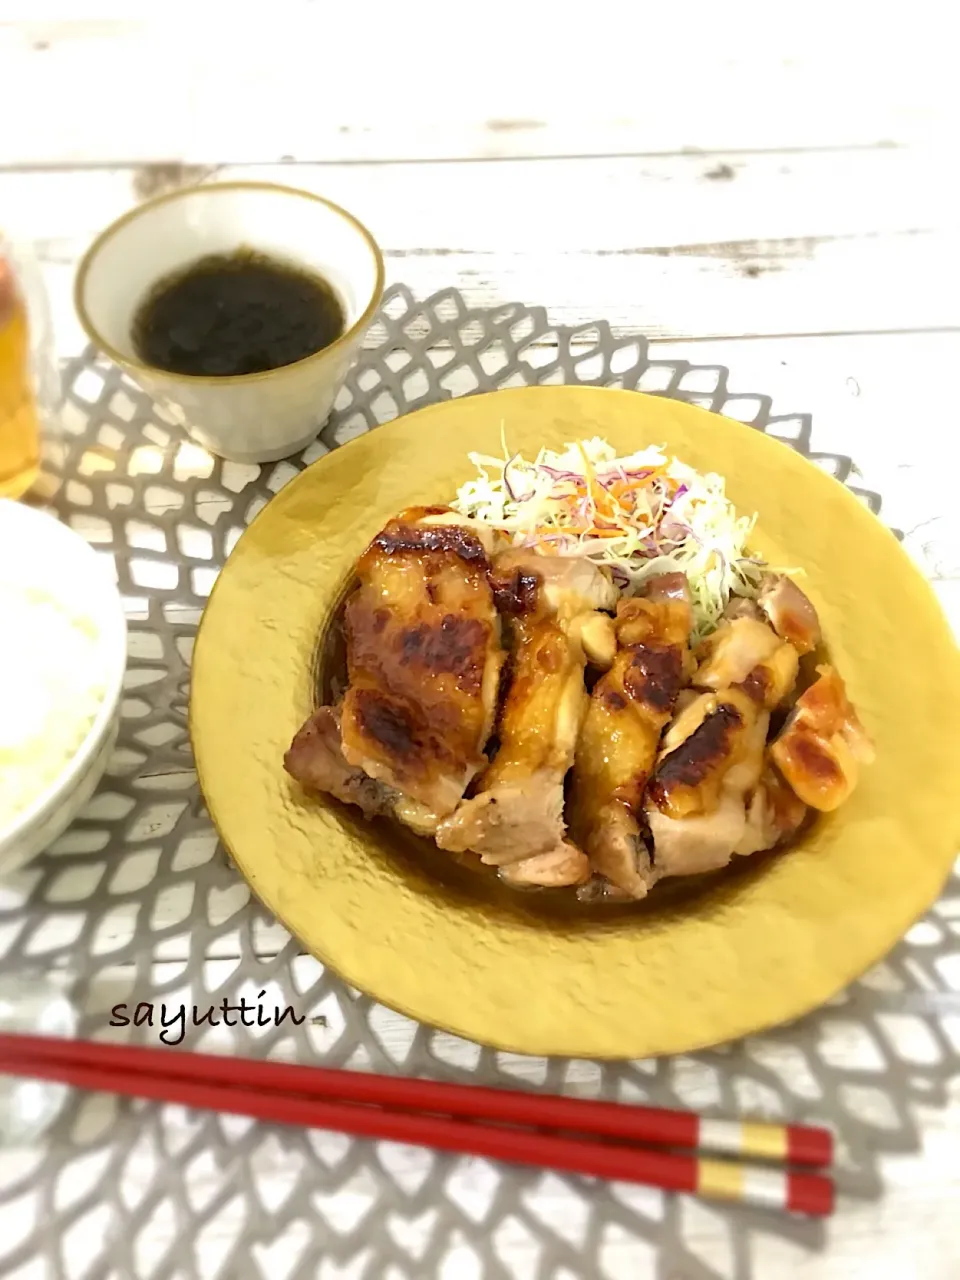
(599, 495)
(614, 503)
(552, 531)
(630, 486)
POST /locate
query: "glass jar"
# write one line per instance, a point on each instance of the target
(29, 378)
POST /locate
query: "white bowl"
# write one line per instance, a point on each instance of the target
(36, 550)
(252, 417)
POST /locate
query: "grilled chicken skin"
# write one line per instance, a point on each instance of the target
(515, 820)
(695, 804)
(774, 812)
(823, 744)
(746, 653)
(423, 659)
(316, 760)
(710, 797)
(618, 743)
(789, 612)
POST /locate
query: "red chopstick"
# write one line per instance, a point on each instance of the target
(393, 1109)
(793, 1144)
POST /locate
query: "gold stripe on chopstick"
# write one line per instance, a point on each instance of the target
(720, 1180)
(765, 1141)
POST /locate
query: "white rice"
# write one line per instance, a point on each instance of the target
(53, 681)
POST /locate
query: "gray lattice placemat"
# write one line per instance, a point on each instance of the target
(137, 903)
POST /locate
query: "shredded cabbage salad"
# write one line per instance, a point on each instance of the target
(639, 515)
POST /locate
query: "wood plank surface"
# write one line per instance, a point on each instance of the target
(682, 246)
(381, 81)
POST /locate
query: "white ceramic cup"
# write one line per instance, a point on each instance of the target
(254, 417)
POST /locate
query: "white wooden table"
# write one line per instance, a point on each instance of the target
(776, 200)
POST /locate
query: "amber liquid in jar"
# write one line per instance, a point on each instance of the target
(19, 420)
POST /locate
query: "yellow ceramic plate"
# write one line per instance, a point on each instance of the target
(696, 964)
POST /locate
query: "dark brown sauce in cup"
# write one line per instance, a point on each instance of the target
(231, 314)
